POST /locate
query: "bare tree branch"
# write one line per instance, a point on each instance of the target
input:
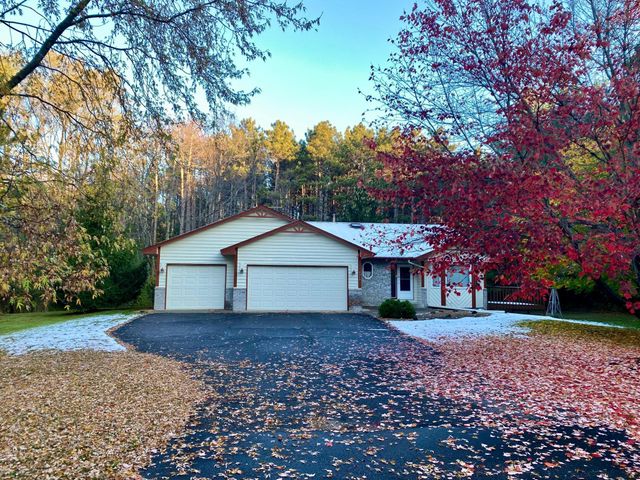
(46, 46)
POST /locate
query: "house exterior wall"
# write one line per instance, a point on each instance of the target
(301, 249)
(294, 248)
(158, 298)
(421, 296)
(204, 247)
(228, 297)
(355, 300)
(417, 293)
(377, 289)
(459, 297)
(239, 300)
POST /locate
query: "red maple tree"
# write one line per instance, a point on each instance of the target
(532, 161)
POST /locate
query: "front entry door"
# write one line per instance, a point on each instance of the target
(405, 283)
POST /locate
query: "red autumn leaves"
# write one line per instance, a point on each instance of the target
(528, 145)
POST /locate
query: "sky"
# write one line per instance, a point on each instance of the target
(315, 75)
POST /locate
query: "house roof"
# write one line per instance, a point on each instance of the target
(385, 240)
(259, 211)
(300, 227)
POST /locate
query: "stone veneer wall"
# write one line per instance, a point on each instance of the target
(228, 299)
(239, 300)
(158, 298)
(377, 289)
(355, 300)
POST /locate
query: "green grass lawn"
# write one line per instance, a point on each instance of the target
(14, 322)
(619, 336)
(613, 318)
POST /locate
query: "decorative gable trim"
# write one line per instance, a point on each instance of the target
(263, 212)
(298, 229)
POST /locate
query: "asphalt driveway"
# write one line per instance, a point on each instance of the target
(325, 396)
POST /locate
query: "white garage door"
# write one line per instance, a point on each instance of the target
(195, 287)
(296, 288)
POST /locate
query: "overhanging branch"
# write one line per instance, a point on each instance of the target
(44, 48)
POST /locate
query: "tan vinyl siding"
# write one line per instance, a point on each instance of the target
(287, 248)
(462, 299)
(204, 247)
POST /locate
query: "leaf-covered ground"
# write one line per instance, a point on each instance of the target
(342, 396)
(84, 414)
(544, 381)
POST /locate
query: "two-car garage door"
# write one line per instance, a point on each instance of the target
(195, 287)
(269, 288)
(289, 288)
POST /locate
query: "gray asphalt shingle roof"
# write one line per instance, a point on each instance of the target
(386, 240)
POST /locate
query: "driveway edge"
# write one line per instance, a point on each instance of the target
(111, 331)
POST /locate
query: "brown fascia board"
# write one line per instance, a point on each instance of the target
(154, 249)
(232, 249)
(151, 250)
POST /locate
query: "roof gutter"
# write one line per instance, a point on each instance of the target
(416, 265)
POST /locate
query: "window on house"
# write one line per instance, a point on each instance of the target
(458, 276)
(367, 270)
(405, 279)
(394, 286)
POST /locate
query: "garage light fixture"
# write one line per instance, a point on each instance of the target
(242, 270)
(353, 272)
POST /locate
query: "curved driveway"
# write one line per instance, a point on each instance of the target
(325, 396)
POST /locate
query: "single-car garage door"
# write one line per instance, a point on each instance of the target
(289, 288)
(195, 287)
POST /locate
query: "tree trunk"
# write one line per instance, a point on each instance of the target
(182, 214)
(154, 233)
(254, 199)
(246, 195)
(275, 183)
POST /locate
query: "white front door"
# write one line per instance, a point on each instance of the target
(289, 288)
(405, 283)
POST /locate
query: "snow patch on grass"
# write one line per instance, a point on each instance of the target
(87, 333)
(496, 323)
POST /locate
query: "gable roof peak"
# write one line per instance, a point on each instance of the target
(257, 211)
